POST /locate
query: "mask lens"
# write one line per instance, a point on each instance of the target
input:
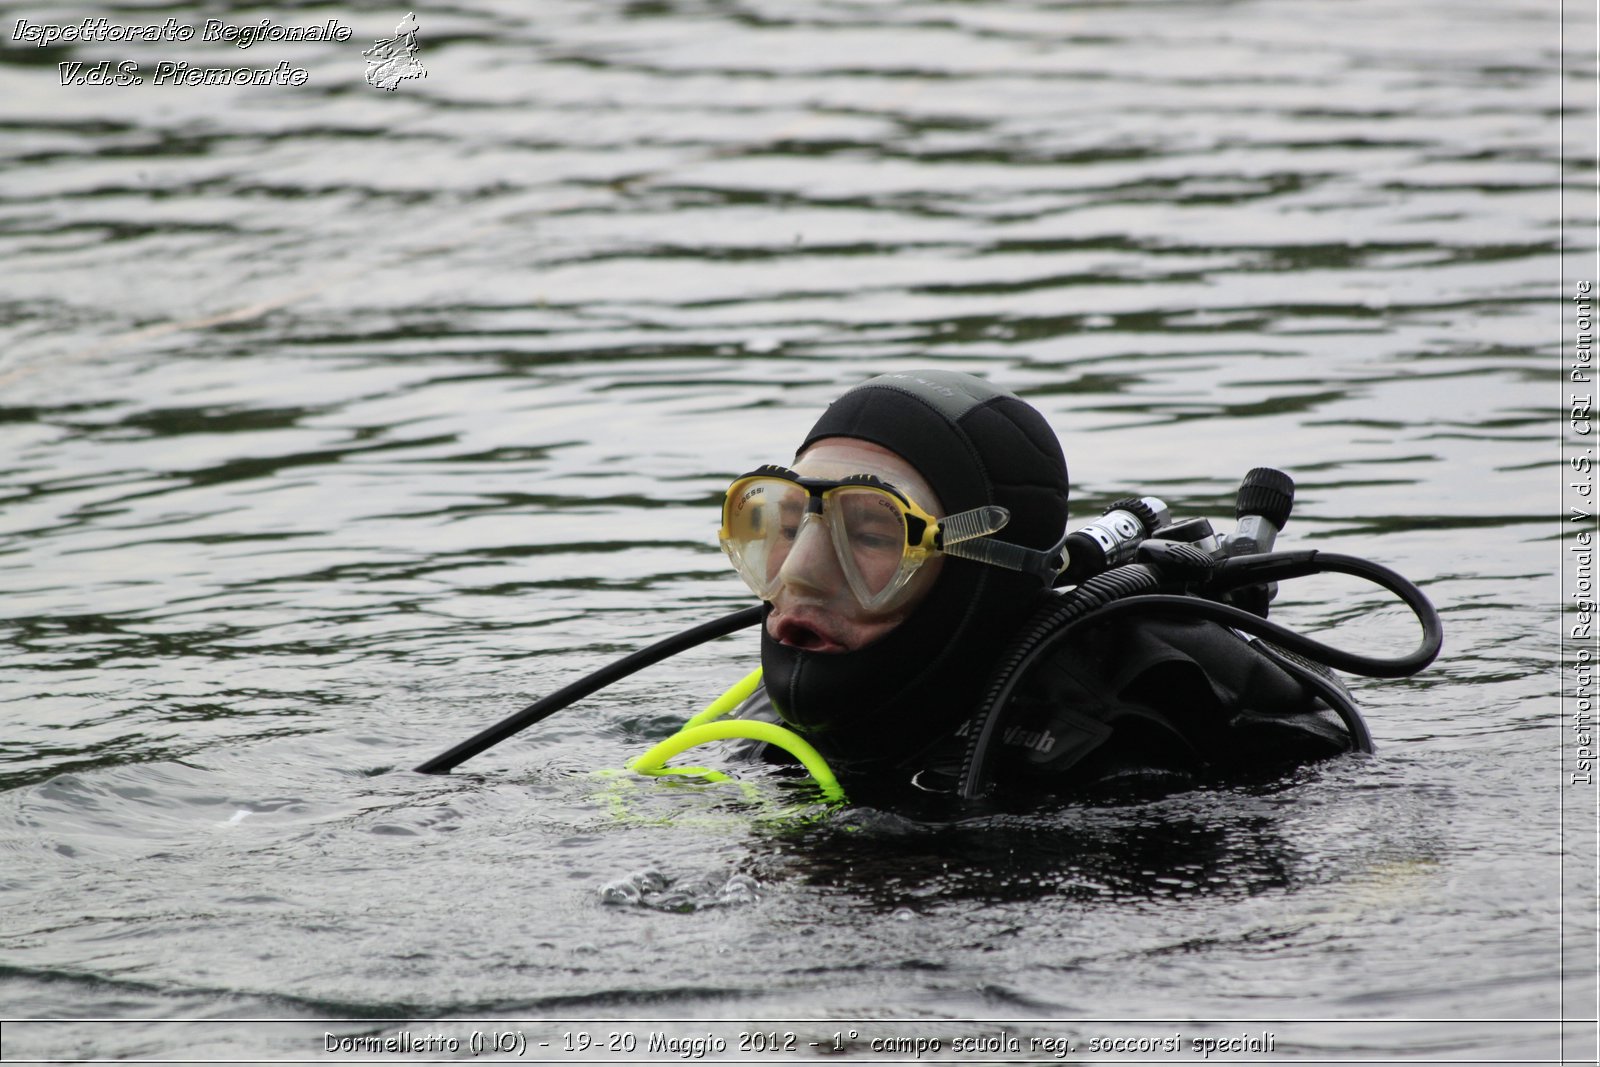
(760, 519)
(870, 534)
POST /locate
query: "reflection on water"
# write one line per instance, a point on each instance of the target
(335, 424)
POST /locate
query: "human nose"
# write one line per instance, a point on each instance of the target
(812, 565)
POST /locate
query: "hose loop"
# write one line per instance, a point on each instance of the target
(1136, 588)
(653, 762)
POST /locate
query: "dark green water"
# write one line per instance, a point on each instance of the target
(336, 424)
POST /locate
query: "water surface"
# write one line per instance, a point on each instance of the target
(336, 424)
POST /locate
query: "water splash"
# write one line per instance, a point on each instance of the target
(658, 891)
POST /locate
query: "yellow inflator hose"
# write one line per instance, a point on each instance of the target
(701, 729)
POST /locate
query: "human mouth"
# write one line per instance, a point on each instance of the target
(804, 633)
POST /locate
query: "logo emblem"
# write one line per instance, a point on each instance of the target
(392, 61)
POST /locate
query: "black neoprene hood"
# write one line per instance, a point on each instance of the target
(974, 444)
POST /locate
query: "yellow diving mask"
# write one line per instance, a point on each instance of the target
(880, 537)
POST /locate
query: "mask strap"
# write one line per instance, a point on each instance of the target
(967, 525)
(966, 536)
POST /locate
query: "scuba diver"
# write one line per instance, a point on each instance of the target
(931, 628)
(905, 561)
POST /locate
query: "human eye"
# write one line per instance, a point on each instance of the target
(878, 536)
(789, 516)
(875, 524)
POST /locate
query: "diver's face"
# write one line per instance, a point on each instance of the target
(813, 608)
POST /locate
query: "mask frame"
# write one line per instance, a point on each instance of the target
(763, 515)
